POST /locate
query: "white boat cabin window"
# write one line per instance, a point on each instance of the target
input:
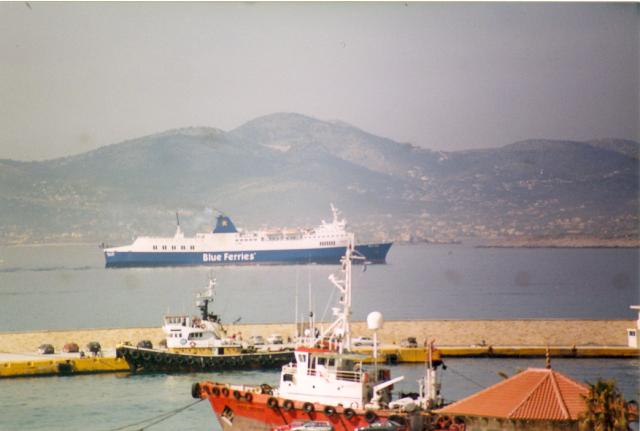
(327, 362)
(173, 247)
(183, 247)
(301, 358)
(155, 247)
(164, 247)
(192, 247)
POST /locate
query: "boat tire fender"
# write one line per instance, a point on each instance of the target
(195, 390)
(225, 392)
(236, 395)
(308, 407)
(349, 413)
(288, 405)
(370, 416)
(215, 391)
(272, 402)
(329, 410)
(248, 397)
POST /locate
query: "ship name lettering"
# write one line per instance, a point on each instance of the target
(244, 257)
(211, 257)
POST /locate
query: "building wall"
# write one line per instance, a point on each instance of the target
(492, 424)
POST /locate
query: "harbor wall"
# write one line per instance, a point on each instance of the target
(530, 332)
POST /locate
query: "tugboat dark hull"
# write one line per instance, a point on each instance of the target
(143, 360)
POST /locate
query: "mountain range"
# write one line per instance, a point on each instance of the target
(284, 169)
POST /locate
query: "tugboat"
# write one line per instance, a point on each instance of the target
(327, 387)
(200, 343)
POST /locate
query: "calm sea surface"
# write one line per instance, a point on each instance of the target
(65, 287)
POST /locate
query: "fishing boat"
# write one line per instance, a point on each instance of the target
(327, 386)
(200, 343)
(227, 245)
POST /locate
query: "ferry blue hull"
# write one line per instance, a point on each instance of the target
(374, 253)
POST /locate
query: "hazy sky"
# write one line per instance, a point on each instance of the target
(76, 76)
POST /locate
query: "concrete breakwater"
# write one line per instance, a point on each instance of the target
(529, 332)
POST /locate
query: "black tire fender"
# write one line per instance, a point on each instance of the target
(349, 413)
(225, 392)
(195, 390)
(370, 416)
(308, 407)
(329, 410)
(272, 402)
(288, 405)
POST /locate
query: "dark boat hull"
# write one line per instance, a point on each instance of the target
(142, 360)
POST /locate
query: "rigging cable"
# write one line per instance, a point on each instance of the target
(469, 379)
(156, 419)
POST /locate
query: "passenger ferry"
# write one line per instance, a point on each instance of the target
(226, 245)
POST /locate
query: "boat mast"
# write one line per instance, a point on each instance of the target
(340, 329)
(205, 297)
(179, 233)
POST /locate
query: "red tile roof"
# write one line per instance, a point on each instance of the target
(536, 393)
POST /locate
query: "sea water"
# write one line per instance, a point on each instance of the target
(67, 287)
(110, 402)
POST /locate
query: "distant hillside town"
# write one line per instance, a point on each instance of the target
(285, 169)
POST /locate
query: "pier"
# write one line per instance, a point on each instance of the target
(576, 338)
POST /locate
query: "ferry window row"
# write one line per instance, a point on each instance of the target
(173, 247)
(325, 243)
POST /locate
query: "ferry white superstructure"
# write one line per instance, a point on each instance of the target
(227, 245)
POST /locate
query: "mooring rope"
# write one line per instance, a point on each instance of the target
(156, 419)
(469, 379)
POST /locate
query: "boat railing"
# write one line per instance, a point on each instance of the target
(349, 376)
